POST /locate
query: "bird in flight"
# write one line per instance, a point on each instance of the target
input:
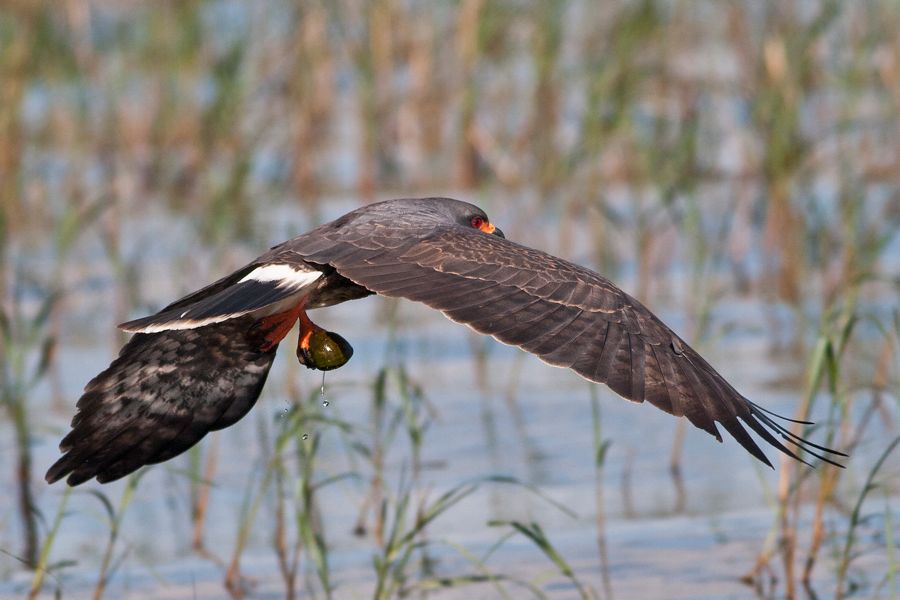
(200, 363)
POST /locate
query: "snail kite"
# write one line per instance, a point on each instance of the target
(199, 364)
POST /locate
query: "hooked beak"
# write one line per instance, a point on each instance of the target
(488, 227)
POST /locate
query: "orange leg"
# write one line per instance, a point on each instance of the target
(307, 329)
(277, 326)
(332, 351)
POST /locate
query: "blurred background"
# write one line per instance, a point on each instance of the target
(734, 165)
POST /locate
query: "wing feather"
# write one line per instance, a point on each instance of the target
(603, 371)
(555, 336)
(565, 314)
(258, 288)
(638, 357)
(561, 355)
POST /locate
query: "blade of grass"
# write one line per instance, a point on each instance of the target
(856, 518)
(41, 569)
(534, 532)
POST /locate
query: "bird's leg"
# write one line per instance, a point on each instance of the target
(320, 349)
(277, 326)
(316, 348)
(307, 330)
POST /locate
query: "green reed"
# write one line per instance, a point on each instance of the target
(43, 566)
(405, 525)
(408, 515)
(893, 563)
(535, 533)
(22, 338)
(28, 338)
(115, 515)
(601, 451)
(835, 347)
(847, 554)
(398, 404)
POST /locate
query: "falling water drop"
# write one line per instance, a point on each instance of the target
(325, 402)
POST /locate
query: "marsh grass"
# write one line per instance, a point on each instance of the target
(109, 563)
(825, 363)
(535, 533)
(200, 476)
(43, 566)
(27, 349)
(406, 524)
(630, 126)
(408, 520)
(293, 458)
(398, 404)
(29, 332)
(840, 321)
(890, 578)
(601, 451)
(856, 517)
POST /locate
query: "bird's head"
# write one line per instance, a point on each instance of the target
(439, 211)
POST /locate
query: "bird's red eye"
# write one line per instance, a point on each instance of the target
(477, 222)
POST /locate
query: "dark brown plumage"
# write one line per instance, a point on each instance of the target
(183, 375)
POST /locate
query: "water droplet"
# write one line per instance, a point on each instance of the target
(325, 402)
(305, 436)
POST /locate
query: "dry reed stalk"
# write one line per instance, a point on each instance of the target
(783, 239)
(546, 44)
(311, 95)
(426, 110)
(467, 48)
(787, 532)
(200, 503)
(288, 561)
(13, 62)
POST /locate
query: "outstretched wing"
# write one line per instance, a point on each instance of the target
(567, 315)
(163, 393)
